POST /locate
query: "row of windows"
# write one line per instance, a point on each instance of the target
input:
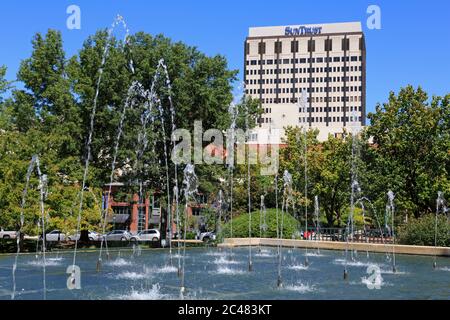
(303, 80)
(323, 109)
(297, 90)
(303, 70)
(311, 47)
(331, 109)
(303, 60)
(330, 119)
(317, 119)
(295, 100)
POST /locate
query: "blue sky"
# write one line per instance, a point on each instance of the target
(412, 46)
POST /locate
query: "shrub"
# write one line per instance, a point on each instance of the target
(421, 231)
(240, 225)
(190, 235)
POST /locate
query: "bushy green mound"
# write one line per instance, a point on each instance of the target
(421, 231)
(240, 225)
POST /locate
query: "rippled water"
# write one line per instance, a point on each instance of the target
(214, 274)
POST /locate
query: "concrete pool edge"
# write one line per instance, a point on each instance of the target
(331, 245)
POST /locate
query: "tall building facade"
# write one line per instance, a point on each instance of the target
(323, 63)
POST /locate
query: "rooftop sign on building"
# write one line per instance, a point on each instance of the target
(305, 29)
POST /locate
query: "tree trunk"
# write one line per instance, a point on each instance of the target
(84, 236)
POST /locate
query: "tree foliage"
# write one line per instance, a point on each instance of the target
(51, 117)
(411, 156)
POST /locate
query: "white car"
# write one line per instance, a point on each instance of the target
(147, 235)
(93, 236)
(8, 234)
(55, 235)
(117, 235)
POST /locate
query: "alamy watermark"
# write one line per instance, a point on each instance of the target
(374, 281)
(74, 279)
(73, 22)
(374, 20)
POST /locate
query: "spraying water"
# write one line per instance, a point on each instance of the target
(190, 183)
(440, 207)
(303, 107)
(377, 218)
(219, 209)
(43, 192)
(317, 220)
(250, 262)
(169, 210)
(390, 213)
(178, 230)
(262, 221)
(162, 70)
(363, 209)
(163, 66)
(354, 191)
(287, 198)
(133, 90)
(119, 20)
(232, 110)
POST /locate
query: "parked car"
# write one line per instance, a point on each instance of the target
(93, 236)
(206, 236)
(117, 235)
(147, 235)
(54, 235)
(8, 234)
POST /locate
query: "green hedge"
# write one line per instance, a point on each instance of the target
(240, 225)
(421, 231)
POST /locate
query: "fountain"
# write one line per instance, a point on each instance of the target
(355, 189)
(363, 209)
(390, 212)
(232, 110)
(151, 99)
(440, 208)
(287, 197)
(317, 221)
(43, 193)
(262, 221)
(119, 20)
(303, 107)
(190, 183)
(132, 91)
(247, 133)
(177, 218)
(377, 218)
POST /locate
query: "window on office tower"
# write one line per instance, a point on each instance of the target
(278, 47)
(261, 48)
(294, 46)
(311, 45)
(328, 44)
(345, 44)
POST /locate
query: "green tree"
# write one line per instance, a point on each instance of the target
(411, 142)
(4, 84)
